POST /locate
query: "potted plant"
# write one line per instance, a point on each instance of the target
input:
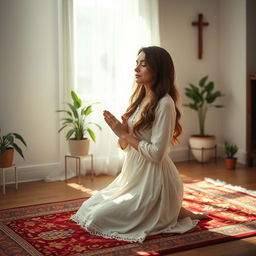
(202, 98)
(78, 126)
(230, 151)
(7, 147)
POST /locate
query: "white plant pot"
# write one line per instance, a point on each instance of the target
(79, 147)
(202, 148)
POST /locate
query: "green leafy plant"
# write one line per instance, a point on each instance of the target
(202, 96)
(76, 119)
(8, 141)
(230, 149)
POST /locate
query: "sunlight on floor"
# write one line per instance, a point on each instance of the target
(251, 241)
(185, 177)
(82, 188)
(147, 253)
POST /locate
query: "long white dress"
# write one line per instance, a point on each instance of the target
(146, 197)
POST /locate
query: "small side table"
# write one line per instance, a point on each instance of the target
(4, 169)
(78, 165)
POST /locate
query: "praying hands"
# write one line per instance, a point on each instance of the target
(120, 129)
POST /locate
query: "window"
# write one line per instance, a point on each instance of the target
(107, 37)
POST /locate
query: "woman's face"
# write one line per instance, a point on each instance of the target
(143, 73)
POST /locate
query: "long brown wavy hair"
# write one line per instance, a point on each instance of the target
(161, 64)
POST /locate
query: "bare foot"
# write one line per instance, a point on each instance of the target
(193, 215)
(198, 215)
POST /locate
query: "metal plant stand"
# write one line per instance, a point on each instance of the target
(78, 165)
(203, 150)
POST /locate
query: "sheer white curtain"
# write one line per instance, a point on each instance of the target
(107, 36)
(66, 81)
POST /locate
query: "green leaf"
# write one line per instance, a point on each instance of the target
(218, 106)
(4, 142)
(79, 135)
(62, 128)
(88, 110)
(202, 81)
(195, 96)
(70, 133)
(9, 138)
(74, 111)
(209, 87)
(188, 90)
(19, 137)
(189, 95)
(193, 87)
(2, 149)
(212, 97)
(192, 106)
(76, 100)
(18, 149)
(67, 123)
(92, 135)
(77, 123)
(68, 112)
(68, 120)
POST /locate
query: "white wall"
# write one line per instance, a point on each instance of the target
(29, 81)
(224, 49)
(232, 72)
(180, 38)
(251, 37)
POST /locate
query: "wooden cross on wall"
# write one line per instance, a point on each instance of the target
(200, 24)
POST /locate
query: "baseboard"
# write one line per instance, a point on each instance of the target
(31, 172)
(179, 154)
(41, 171)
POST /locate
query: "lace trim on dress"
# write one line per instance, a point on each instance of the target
(95, 230)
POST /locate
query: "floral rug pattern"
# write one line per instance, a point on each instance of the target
(47, 230)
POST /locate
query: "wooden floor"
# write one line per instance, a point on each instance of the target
(42, 192)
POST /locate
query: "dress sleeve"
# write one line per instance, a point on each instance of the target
(162, 131)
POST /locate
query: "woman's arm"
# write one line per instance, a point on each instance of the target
(162, 130)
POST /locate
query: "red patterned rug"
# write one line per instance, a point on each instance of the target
(45, 229)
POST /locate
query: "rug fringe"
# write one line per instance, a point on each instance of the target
(224, 184)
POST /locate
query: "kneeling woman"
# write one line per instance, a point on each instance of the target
(146, 197)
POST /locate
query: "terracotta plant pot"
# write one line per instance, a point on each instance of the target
(79, 147)
(6, 158)
(230, 163)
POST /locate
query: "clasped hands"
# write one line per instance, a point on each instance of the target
(120, 129)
